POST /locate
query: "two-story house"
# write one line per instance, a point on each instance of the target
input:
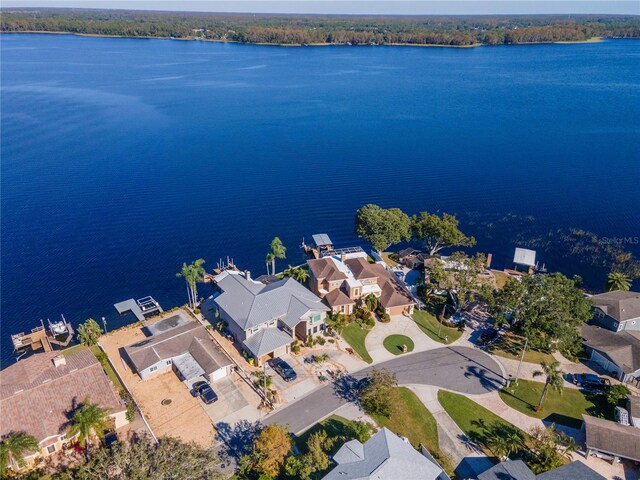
(343, 281)
(265, 319)
(612, 339)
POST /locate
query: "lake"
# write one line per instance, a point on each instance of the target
(123, 158)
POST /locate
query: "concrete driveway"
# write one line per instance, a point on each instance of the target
(399, 324)
(460, 369)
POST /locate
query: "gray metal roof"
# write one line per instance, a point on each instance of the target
(622, 348)
(524, 256)
(613, 438)
(188, 367)
(511, 470)
(384, 457)
(571, 471)
(266, 340)
(321, 239)
(250, 304)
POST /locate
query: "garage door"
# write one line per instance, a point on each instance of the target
(218, 374)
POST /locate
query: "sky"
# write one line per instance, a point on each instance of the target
(397, 7)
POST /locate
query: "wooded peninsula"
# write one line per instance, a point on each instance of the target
(280, 29)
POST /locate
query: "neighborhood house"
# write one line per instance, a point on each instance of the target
(39, 393)
(180, 344)
(266, 319)
(617, 311)
(343, 280)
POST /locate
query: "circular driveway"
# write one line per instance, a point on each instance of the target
(461, 369)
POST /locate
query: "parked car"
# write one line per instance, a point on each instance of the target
(590, 381)
(205, 392)
(488, 336)
(283, 369)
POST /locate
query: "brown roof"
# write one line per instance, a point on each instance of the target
(362, 269)
(191, 337)
(619, 305)
(633, 405)
(325, 268)
(36, 397)
(622, 348)
(611, 437)
(337, 297)
(393, 293)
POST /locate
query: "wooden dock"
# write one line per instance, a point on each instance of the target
(40, 338)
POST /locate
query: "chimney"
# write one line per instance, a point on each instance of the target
(59, 360)
(247, 275)
(343, 257)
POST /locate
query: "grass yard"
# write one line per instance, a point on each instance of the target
(390, 258)
(430, 326)
(471, 418)
(354, 335)
(565, 409)
(501, 278)
(394, 344)
(510, 346)
(335, 426)
(411, 419)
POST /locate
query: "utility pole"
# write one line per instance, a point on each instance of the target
(526, 341)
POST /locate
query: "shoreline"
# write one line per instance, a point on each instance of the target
(289, 45)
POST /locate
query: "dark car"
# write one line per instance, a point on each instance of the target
(283, 369)
(205, 392)
(590, 381)
(488, 336)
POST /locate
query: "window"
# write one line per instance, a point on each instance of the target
(51, 448)
(153, 369)
(342, 308)
(315, 329)
(169, 362)
(63, 437)
(316, 318)
(272, 323)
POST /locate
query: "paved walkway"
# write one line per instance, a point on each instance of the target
(399, 324)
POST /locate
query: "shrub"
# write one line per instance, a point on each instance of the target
(385, 318)
(310, 341)
(131, 406)
(370, 322)
(331, 340)
(321, 341)
(197, 311)
(296, 347)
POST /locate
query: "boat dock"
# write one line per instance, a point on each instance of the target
(323, 247)
(142, 308)
(40, 338)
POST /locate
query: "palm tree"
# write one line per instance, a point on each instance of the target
(554, 379)
(371, 301)
(13, 447)
(297, 273)
(618, 281)
(192, 274)
(89, 332)
(88, 420)
(270, 260)
(278, 250)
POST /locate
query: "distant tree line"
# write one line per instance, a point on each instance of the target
(324, 29)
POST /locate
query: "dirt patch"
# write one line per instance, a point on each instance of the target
(183, 417)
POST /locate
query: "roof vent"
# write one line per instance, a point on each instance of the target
(59, 360)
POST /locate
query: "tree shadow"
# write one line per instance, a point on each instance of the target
(237, 440)
(489, 383)
(511, 394)
(347, 387)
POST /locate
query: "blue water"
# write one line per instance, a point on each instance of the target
(122, 158)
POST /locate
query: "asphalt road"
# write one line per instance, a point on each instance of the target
(461, 369)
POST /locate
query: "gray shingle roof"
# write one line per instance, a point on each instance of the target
(191, 338)
(622, 348)
(512, 470)
(266, 340)
(250, 304)
(611, 437)
(384, 457)
(619, 305)
(571, 471)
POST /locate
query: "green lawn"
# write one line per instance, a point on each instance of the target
(394, 344)
(565, 409)
(354, 335)
(335, 426)
(472, 418)
(510, 346)
(411, 419)
(430, 325)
